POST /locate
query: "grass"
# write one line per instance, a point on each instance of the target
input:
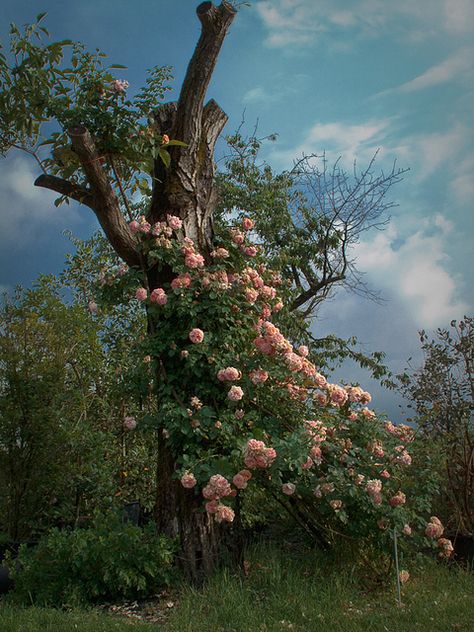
(306, 592)
(293, 589)
(14, 619)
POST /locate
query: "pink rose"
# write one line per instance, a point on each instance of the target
(134, 226)
(247, 223)
(193, 260)
(182, 281)
(235, 393)
(188, 480)
(303, 351)
(129, 423)
(174, 222)
(158, 296)
(196, 336)
(239, 481)
(288, 489)
(141, 294)
(119, 86)
(397, 500)
(224, 514)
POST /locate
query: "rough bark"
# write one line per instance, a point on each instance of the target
(179, 514)
(187, 189)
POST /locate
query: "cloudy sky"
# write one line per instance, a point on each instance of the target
(347, 77)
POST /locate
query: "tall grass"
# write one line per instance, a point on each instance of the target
(290, 588)
(307, 591)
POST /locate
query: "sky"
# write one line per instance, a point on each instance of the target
(344, 77)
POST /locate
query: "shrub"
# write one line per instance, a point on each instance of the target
(110, 560)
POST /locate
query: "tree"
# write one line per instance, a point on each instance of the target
(51, 364)
(230, 390)
(94, 161)
(442, 392)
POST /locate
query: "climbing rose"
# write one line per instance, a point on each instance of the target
(224, 514)
(141, 294)
(230, 374)
(92, 307)
(129, 423)
(247, 223)
(174, 222)
(398, 499)
(196, 335)
(165, 139)
(217, 487)
(406, 529)
(446, 547)
(134, 226)
(240, 481)
(119, 86)
(158, 296)
(303, 351)
(257, 455)
(193, 260)
(188, 480)
(288, 488)
(404, 576)
(434, 528)
(235, 393)
(258, 376)
(183, 280)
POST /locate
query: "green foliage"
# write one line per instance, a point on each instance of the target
(68, 379)
(111, 559)
(442, 393)
(45, 89)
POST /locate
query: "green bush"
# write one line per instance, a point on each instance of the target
(110, 560)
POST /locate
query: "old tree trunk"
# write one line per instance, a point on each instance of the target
(185, 189)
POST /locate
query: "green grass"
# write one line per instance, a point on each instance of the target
(14, 619)
(283, 590)
(305, 592)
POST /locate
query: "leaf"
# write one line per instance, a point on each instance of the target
(40, 16)
(165, 157)
(121, 66)
(176, 143)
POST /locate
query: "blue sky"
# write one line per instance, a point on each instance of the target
(344, 77)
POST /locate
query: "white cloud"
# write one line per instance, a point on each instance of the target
(462, 183)
(349, 140)
(443, 72)
(459, 15)
(281, 89)
(425, 153)
(301, 22)
(255, 94)
(414, 268)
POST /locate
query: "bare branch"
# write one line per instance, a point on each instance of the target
(64, 187)
(105, 203)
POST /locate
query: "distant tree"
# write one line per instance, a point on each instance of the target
(308, 219)
(442, 392)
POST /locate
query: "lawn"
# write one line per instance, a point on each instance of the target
(290, 589)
